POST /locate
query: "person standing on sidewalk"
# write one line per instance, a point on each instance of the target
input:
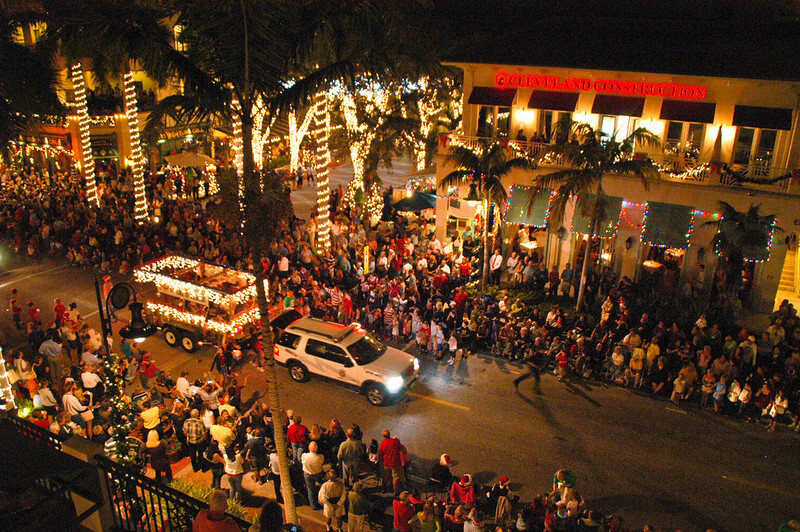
(357, 508)
(196, 434)
(312, 474)
(403, 512)
(390, 453)
(350, 454)
(496, 267)
(332, 498)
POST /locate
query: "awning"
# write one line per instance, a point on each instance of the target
(582, 221)
(492, 96)
(553, 100)
(667, 225)
(520, 210)
(683, 111)
(762, 117)
(419, 201)
(608, 104)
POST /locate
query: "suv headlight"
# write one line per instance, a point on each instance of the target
(394, 384)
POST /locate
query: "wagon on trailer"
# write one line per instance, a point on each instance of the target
(199, 302)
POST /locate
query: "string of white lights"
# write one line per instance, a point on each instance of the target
(5, 385)
(137, 160)
(322, 122)
(85, 162)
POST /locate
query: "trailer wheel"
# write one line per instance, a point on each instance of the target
(189, 342)
(171, 336)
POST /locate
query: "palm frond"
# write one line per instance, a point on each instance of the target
(455, 178)
(645, 170)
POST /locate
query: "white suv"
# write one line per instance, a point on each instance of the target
(347, 354)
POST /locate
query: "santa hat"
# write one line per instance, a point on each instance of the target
(445, 460)
(466, 480)
(504, 481)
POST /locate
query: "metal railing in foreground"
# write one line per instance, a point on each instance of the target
(141, 503)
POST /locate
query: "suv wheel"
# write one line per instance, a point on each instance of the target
(189, 342)
(376, 394)
(298, 372)
(171, 336)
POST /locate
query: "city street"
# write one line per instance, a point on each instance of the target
(650, 461)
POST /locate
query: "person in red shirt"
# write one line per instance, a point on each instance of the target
(33, 313)
(391, 455)
(297, 435)
(403, 511)
(214, 519)
(463, 491)
(59, 310)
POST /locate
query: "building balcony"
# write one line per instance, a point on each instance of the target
(680, 167)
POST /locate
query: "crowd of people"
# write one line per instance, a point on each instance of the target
(409, 287)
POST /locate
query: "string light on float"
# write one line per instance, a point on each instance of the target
(322, 159)
(6, 395)
(137, 160)
(85, 161)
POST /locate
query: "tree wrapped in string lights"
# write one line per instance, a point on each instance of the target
(137, 160)
(82, 110)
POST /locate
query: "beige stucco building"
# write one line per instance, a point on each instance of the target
(709, 126)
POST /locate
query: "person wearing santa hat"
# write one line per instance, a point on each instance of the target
(499, 489)
(463, 491)
(440, 472)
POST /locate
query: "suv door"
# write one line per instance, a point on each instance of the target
(288, 347)
(332, 360)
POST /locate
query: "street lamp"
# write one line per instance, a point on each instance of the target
(118, 298)
(138, 329)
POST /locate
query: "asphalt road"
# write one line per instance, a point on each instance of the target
(652, 462)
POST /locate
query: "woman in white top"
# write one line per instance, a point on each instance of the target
(234, 470)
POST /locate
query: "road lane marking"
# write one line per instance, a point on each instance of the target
(91, 314)
(762, 486)
(439, 401)
(676, 410)
(18, 279)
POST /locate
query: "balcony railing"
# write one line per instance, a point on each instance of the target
(673, 165)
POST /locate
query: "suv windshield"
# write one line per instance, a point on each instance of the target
(366, 350)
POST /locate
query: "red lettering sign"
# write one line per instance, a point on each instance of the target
(504, 80)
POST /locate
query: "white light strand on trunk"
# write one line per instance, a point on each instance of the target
(259, 113)
(238, 154)
(322, 158)
(84, 136)
(132, 113)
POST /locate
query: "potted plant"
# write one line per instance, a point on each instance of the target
(174, 449)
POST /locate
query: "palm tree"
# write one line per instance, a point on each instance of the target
(28, 82)
(742, 236)
(112, 36)
(484, 166)
(590, 159)
(283, 53)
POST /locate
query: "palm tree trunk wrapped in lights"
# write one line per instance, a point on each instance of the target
(86, 160)
(238, 153)
(140, 213)
(322, 122)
